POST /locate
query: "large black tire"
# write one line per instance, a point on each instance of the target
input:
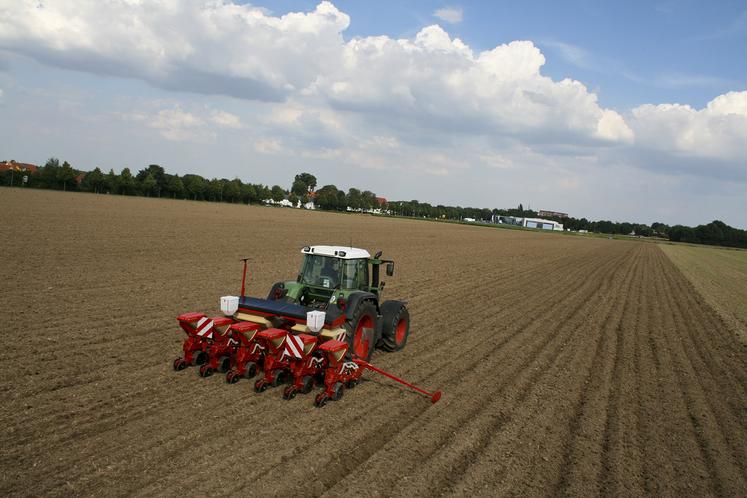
(395, 327)
(361, 331)
(276, 292)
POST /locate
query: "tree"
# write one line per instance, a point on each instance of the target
(126, 182)
(232, 191)
(326, 197)
(48, 175)
(368, 200)
(159, 175)
(215, 189)
(299, 187)
(354, 199)
(307, 179)
(293, 199)
(94, 181)
(149, 185)
(195, 186)
(176, 187)
(65, 175)
(277, 193)
(110, 182)
(248, 193)
(263, 192)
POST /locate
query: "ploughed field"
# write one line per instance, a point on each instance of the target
(569, 365)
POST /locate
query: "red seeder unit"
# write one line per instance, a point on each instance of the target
(304, 366)
(196, 326)
(221, 347)
(276, 364)
(243, 349)
(249, 354)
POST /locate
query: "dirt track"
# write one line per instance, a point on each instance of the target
(569, 365)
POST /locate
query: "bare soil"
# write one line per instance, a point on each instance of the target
(569, 366)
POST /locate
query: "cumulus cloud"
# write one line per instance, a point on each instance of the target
(718, 131)
(226, 119)
(417, 93)
(202, 46)
(452, 15)
(177, 124)
(238, 50)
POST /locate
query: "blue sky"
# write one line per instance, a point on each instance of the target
(621, 110)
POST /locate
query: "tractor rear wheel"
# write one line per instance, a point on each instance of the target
(396, 326)
(361, 331)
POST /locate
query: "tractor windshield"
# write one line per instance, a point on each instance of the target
(321, 271)
(330, 272)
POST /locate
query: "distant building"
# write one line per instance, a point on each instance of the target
(508, 220)
(12, 165)
(553, 214)
(542, 224)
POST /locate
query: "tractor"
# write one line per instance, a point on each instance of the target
(342, 282)
(319, 329)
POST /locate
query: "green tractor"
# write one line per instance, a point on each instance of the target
(345, 284)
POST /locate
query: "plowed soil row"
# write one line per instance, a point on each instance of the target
(568, 365)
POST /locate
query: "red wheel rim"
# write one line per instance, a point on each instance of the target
(362, 339)
(399, 333)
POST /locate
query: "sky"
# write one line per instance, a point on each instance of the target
(628, 111)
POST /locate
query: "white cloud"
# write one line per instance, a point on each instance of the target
(268, 145)
(428, 104)
(177, 124)
(201, 46)
(226, 119)
(452, 15)
(238, 50)
(718, 131)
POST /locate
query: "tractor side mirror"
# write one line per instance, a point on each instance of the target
(390, 269)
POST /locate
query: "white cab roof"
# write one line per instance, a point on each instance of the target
(337, 252)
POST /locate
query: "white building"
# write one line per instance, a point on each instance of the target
(542, 224)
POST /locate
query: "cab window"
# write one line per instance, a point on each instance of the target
(355, 274)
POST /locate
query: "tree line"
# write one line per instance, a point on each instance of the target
(153, 181)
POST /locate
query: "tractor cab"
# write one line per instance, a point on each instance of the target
(330, 270)
(338, 271)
